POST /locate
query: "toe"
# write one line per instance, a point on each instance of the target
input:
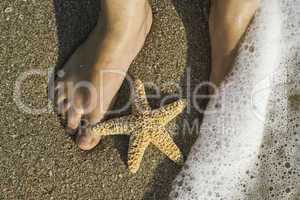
(74, 117)
(61, 98)
(63, 106)
(86, 141)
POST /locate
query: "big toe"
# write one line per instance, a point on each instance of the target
(86, 141)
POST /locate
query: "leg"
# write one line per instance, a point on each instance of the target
(228, 22)
(113, 44)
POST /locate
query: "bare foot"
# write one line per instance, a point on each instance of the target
(228, 22)
(93, 75)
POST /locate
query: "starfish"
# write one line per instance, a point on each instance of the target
(144, 126)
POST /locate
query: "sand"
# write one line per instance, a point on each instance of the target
(37, 159)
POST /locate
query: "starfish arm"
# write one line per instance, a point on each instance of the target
(140, 103)
(137, 146)
(119, 126)
(169, 112)
(164, 142)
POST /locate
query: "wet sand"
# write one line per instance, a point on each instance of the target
(37, 160)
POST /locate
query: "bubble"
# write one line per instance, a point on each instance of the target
(179, 183)
(251, 49)
(186, 166)
(287, 165)
(189, 188)
(8, 10)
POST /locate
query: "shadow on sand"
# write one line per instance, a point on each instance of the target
(194, 15)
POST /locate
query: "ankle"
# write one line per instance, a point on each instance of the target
(124, 16)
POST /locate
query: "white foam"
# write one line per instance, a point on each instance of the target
(240, 158)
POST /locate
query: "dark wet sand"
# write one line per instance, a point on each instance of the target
(37, 160)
